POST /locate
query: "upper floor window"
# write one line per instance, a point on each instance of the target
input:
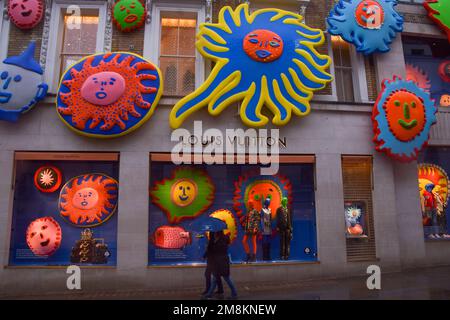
(76, 30)
(170, 43)
(343, 71)
(177, 52)
(80, 41)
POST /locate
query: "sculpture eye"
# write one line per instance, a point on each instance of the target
(43, 227)
(4, 75)
(18, 78)
(253, 40)
(274, 44)
(33, 234)
(413, 104)
(397, 103)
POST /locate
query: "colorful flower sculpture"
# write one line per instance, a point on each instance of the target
(433, 174)
(109, 95)
(21, 84)
(419, 76)
(252, 186)
(263, 58)
(44, 236)
(185, 195)
(402, 118)
(227, 217)
(26, 14)
(129, 15)
(370, 25)
(47, 179)
(444, 71)
(88, 200)
(439, 12)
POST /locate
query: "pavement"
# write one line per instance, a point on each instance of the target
(418, 284)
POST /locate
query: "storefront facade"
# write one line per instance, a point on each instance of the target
(327, 158)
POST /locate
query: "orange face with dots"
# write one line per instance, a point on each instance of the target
(405, 113)
(263, 45)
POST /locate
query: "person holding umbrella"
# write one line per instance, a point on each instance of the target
(217, 254)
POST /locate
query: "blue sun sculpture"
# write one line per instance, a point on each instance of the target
(267, 57)
(370, 25)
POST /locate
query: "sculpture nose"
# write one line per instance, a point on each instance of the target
(6, 84)
(406, 110)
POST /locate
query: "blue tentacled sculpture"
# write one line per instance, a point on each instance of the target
(371, 25)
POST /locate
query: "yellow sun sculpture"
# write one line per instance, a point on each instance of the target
(227, 217)
(266, 58)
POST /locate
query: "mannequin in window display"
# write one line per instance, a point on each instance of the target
(430, 205)
(266, 227)
(284, 228)
(251, 228)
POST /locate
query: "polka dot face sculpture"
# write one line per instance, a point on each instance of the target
(109, 95)
(129, 15)
(88, 200)
(371, 25)
(402, 118)
(26, 14)
(44, 236)
(267, 58)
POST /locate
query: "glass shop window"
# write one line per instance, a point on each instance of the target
(428, 64)
(177, 52)
(64, 209)
(342, 69)
(267, 218)
(358, 207)
(79, 38)
(434, 184)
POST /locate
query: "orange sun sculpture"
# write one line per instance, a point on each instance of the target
(109, 95)
(88, 200)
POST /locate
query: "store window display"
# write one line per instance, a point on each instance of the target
(64, 211)
(269, 218)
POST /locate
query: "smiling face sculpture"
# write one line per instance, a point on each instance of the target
(402, 117)
(266, 58)
(109, 95)
(129, 15)
(44, 236)
(185, 195)
(21, 84)
(26, 14)
(371, 25)
(88, 200)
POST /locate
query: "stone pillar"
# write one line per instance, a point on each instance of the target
(330, 213)
(132, 238)
(407, 203)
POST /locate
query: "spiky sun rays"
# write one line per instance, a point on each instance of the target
(285, 85)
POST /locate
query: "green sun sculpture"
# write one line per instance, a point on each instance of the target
(439, 12)
(185, 195)
(129, 15)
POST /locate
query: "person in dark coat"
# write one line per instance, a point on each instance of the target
(208, 271)
(220, 263)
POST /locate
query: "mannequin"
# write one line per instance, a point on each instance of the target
(251, 229)
(266, 227)
(284, 228)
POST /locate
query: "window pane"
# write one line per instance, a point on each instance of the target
(177, 52)
(80, 34)
(69, 60)
(343, 69)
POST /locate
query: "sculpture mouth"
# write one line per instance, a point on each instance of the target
(5, 97)
(101, 95)
(263, 53)
(26, 13)
(45, 243)
(183, 198)
(408, 125)
(84, 203)
(131, 18)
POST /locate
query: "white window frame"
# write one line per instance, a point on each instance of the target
(153, 34)
(52, 66)
(360, 90)
(4, 31)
